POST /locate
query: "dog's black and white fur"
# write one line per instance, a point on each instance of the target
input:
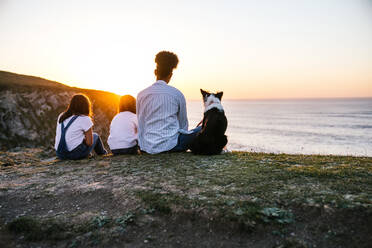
(212, 138)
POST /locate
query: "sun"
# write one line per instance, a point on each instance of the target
(111, 68)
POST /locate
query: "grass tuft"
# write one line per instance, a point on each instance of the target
(35, 230)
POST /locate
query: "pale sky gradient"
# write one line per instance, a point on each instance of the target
(248, 49)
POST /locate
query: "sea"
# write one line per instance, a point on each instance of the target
(307, 126)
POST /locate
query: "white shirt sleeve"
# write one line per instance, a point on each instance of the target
(85, 123)
(182, 114)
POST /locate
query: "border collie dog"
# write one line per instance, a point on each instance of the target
(211, 139)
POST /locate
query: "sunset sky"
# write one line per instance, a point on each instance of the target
(248, 49)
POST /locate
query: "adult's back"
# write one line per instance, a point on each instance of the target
(161, 110)
(162, 114)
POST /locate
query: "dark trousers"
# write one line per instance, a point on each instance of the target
(130, 150)
(185, 140)
(82, 150)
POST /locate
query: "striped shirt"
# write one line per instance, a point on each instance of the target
(161, 111)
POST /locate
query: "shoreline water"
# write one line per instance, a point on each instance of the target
(301, 126)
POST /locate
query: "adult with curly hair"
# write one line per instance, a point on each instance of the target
(161, 111)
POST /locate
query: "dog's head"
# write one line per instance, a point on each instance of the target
(210, 98)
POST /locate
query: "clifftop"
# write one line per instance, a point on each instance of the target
(183, 200)
(29, 107)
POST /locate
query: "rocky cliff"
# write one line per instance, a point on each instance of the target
(29, 107)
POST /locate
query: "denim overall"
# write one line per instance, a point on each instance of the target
(62, 151)
(82, 150)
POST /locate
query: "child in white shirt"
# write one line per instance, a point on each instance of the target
(123, 128)
(75, 138)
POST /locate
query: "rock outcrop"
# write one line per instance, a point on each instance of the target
(29, 107)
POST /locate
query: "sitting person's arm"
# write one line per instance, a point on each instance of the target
(182, 114)
(88, 137)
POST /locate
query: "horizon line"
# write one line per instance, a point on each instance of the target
(293, 98)
(226, 99)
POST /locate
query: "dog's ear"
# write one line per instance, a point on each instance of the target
(219, 95)
(204, 93)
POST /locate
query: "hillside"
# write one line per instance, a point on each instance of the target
(236, 199)
(29, 107)
(14, 80)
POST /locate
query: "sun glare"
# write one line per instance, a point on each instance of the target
(252, 51)
(115, 69)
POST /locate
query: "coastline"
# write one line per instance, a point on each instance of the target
(338, 127)
(265, 200)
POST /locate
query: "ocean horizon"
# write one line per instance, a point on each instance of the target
(335, 126)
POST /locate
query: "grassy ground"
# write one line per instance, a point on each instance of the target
(236, 199)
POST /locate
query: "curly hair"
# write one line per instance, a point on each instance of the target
(165, 63)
